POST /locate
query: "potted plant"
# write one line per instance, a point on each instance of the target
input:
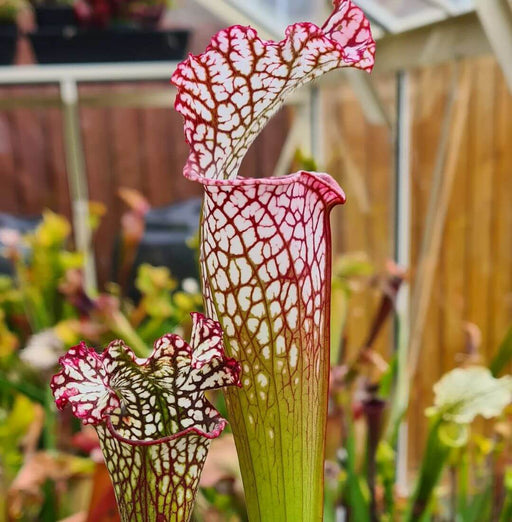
(112, 31)
(120, 14)
(9, 10)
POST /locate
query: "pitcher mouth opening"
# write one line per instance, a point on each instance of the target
(306, 177)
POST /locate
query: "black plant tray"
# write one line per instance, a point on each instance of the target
(8, 37)
(55, 16)
(52, 45)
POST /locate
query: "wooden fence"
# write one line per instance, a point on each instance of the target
(473, 276)
(144, 149)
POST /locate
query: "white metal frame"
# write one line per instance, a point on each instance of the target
(496, 19)
(101, 72)
(394, 24)
(403, 256)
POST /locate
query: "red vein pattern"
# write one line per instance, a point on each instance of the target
(266, 251)
(265, 257)
(228, 93)
(151, 416)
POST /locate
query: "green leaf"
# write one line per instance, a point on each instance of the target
(386, 470)
(479, 507)
(30, 391)
(434, 460)
(357, 500)
(52, 231)
(506, 512)
(19, 419)
(152, 280)
(503, 356)
(13, 428)
(388, 377)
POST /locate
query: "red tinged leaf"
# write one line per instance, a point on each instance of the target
(103, 507)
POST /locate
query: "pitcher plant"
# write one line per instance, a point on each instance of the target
(266, 250)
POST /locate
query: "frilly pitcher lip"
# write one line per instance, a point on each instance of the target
(304, 176)
(93, 384)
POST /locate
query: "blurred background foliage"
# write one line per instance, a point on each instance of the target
(47, 461)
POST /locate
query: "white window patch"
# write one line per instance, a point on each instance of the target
(262, 380)
(280, 345)
(294, 356)
(263, 332)
(292, 317)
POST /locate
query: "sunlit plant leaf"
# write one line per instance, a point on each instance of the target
(151, 415)
(8, 341)
(52, 231)
(464, 393)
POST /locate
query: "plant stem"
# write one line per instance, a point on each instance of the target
(434, 461)
(400, 397)
(373, 411)
(357, 501)
(463, 482)
(122, 327)
(506, 512)
(49, 510)
(503, 355)
(49, 428)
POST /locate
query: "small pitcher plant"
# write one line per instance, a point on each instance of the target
(153, 421)
(266, 250)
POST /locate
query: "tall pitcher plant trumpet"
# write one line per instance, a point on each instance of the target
(266, 250)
